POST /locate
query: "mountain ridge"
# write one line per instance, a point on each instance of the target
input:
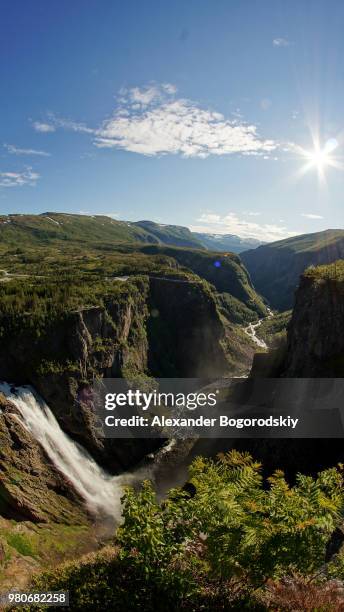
(275, 268)
(53, 226)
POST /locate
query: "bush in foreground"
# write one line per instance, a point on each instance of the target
(227, 546)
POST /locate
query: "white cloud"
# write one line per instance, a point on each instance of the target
(281, 42)
(144, 96)
(254, 214)
(69, 124)
(19, 179)
(311, 216)
(17, 151)
(150, 122)
(169, 88)
(232, 224)
(140, 97)
(40, 126)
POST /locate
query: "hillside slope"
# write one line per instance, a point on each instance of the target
(52, 227)
(169, 234)
(223, 270)
(275, 268)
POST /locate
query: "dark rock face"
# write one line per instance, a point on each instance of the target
(314, 349)
(185, 331)
(315, 336)
(30, 486)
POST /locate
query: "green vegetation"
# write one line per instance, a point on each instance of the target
(45, 279)
(52, 228)
(223, 270)
(58, 262)
(227, 542)
(234, 310)
(40, 545)
(34, 303)
(311, 242)
(328, 272)
(169, 234)
(274, 329)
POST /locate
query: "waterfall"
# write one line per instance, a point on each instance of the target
(101, 492)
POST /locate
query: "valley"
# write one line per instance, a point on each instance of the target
(87, 298)
(275, 268)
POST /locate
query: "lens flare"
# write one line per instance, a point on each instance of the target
(319, 158)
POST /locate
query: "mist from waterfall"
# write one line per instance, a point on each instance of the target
(101, 492)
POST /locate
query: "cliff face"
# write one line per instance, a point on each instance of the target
(64, 360)
(158, 327)
(314, 349)
(30, 486)
(185, 331)
(315, 336)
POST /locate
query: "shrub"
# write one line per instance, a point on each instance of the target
(298, 594)
(217, 546)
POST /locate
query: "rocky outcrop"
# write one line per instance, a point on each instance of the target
(30, 487)
(315, 345)
(73, 351)
(185, 331)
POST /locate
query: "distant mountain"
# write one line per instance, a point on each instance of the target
(226, 242)
(275, 268)
(176, 235)
(51, 227)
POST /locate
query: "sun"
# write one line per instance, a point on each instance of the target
(319, 158)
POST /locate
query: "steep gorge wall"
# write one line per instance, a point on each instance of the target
(157, 327)
(185, 331)
(30, 486)
(314, 349)
(315, 346)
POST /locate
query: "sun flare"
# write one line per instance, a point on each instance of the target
(320, 158)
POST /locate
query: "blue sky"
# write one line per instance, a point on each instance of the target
(192, 112)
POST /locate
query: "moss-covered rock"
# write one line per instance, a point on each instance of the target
(30, 486)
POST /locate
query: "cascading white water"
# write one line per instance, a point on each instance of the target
(101, 492)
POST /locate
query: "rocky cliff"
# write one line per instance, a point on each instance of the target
(153, 327)
(30, 486)
(315, 346)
